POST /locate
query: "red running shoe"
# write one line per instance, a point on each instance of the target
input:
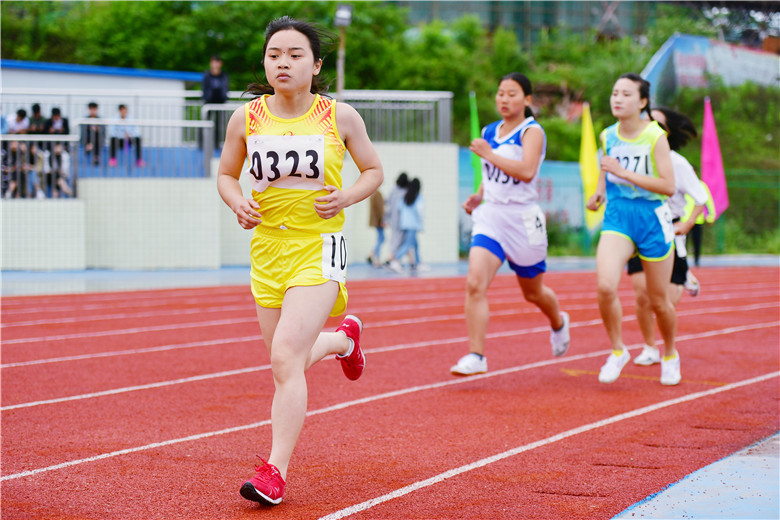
(353, 364)
(267, 487)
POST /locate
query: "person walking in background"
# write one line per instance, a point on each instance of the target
(637, 176)
(124, 136)
(92, 135)
(509, 225)
(215, 85)
(295, 140)
(376, 219)
(393, 215)
(680, 130)
(410, 221)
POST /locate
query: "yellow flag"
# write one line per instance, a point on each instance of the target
(589, 168)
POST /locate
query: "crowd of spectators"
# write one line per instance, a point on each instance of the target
(43, 169)
(32, 168)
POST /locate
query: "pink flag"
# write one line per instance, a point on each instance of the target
(712, 162)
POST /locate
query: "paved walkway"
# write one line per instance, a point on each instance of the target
(742, 486)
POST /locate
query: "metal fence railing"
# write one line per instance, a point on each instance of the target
(390, 115)
(45, 166)
(38, 166)
(145, 147)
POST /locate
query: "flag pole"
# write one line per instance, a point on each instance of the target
(476, 163)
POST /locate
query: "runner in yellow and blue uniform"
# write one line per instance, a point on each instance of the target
(636, 178)
(294, 140)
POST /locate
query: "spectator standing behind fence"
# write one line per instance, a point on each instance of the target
(215, 86)
(125, 135)
(39, 152)
(60, 154)
(392, 213)
(376, 219)
(37, 121)
(92, 135)
(4, 180)
(18, 156)
(410, 221)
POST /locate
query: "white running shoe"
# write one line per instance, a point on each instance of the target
(691, 284)
(670, 371)
(559, 339)
(611, 369)
(395, 266)
(469, 365)
(649, 356)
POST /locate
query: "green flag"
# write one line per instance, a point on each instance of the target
(476, 164)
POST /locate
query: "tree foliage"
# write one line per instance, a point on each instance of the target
(383, 52)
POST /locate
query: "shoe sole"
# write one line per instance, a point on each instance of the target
(565, 349)
(646, 363)
(249, 492)
(609, 381)
(462, 374)
(562, 352)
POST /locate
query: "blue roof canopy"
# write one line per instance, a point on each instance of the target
(94, 69)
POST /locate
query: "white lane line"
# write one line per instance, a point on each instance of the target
(114, 391)
(404, 346)
(368, 504)
(126, 315)
(510, 298)
(134, 330)
(379, 397)
(446, 317)
(130, 352)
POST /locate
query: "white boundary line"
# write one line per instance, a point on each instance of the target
(498, 297)
(389, 323)
(348, 404)
(403, 346)
(357, 508)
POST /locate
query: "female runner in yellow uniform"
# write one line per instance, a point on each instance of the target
(294, 140)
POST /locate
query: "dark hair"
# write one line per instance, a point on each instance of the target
(402, 181)
(525, 84)
(36, 108)
(679, 127)
(21, 113)
(215, 57)
(412, 191)
(644, 90)
(55, 111)
(92, 104)
(320, 39)
(122, 106)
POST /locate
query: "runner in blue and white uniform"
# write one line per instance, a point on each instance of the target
(636, 178)
(509, 224)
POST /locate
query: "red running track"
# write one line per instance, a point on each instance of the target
(153, 404)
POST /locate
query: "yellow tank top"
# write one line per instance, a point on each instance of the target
(290, 162)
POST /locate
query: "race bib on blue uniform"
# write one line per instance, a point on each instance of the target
(634, 158)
